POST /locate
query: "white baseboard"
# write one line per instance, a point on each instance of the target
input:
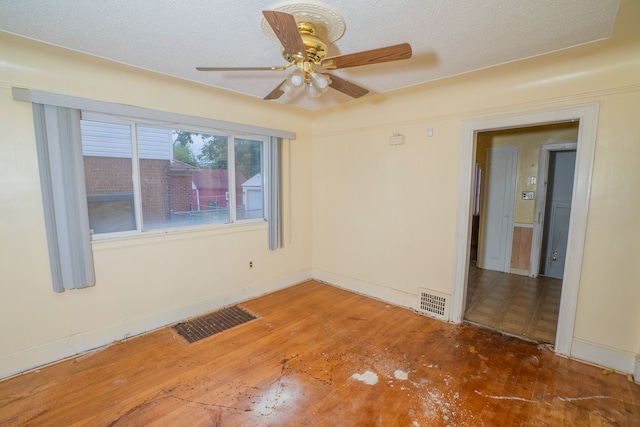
(618, 360)
(636, 371)
(33, 357)
(374, 290)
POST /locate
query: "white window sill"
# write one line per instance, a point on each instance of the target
(173, 234)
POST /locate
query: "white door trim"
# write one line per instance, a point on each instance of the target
(541, 200)
(587, 115)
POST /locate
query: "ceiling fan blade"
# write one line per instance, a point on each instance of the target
(241, 68)
(285, 27)
(375, 56)
(348, 88)
(276, 93)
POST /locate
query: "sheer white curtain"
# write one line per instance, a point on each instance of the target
(64, 199)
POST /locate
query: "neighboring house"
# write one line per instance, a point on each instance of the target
(181, 186)
(107, 152)
(211, 189)
(252, 198)
(171, 190)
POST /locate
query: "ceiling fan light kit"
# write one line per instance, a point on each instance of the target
(306, 76)
(301, 28)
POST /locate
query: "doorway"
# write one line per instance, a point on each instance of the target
(586, 115)
(502, 293)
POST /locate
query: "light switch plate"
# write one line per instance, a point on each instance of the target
(527, 195)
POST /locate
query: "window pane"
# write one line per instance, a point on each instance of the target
(183, 177)
(107, 152)
(249, 182)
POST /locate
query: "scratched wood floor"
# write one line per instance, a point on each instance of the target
(322, 356)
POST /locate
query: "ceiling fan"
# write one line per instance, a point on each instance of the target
(302, 33)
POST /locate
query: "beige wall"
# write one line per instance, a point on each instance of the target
(528, 140)
(385, 216)
(375, 218)
(138, 286)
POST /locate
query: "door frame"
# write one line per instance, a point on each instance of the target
(587, 116)
(541, 200)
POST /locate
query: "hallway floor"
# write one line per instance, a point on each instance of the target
(515, 304)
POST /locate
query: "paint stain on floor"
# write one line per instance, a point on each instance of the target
(368, 377)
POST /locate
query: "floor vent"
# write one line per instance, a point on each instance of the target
(434, 304)
(210, 324)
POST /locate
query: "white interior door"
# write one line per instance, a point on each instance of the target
(496, 229)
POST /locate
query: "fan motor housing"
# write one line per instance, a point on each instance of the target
(315, 47)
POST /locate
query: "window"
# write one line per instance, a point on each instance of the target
(140, 178)
(128, 166)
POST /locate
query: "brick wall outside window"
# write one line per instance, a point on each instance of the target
(180, 193)
(161, 192)
(107, 175)
(154, 179)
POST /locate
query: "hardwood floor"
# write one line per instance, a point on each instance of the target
(514, 304)
(321, 356)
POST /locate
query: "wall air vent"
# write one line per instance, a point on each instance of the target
(434, 304)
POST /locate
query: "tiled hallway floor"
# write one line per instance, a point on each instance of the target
(514, 304)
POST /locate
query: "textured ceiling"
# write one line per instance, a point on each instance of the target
(173, 37)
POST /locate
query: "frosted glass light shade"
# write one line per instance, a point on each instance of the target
(288, 90)
(320, 81)
(311, 91)
(296, 78)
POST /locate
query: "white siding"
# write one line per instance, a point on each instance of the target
(154, 143)
(105, 139)
(114, 140)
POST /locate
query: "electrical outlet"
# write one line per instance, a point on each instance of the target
(250, 264)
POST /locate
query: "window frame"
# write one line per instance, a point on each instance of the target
(134, 123)
(57, 135)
